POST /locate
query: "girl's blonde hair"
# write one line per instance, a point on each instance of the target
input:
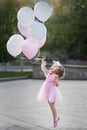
(61, 72)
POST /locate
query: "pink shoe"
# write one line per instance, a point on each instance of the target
(56, 121)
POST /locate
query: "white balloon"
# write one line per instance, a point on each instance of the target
(23, 30)
(38, 30)
(43, 11)
(14, 45)
(25, 16)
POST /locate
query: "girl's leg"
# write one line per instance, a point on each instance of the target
(54, 113)
(53, 109)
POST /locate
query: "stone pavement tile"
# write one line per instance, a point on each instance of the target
(65, 128)
(22, 128)
(15, 128)
(18, 106)
(39, 128)
(5, 124)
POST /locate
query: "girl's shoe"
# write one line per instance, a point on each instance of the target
(56, 121)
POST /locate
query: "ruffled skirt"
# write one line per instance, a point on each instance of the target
(49, 93)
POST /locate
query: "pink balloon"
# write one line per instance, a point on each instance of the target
(23, 30)
(30, 48)
(41, 42)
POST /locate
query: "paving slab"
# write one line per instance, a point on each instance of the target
(19, 109)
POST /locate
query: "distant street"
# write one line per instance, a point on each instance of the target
(19, 109)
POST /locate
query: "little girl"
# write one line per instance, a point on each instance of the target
(49, 91)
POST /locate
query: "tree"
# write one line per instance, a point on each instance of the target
(59, 36)
(81, 33)
(66, 30)
(8, 23)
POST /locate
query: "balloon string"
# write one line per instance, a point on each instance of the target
(38, 55)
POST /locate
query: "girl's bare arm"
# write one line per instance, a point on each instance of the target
(56, 81)
(43, 66)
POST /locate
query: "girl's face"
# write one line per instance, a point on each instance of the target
(54, 68)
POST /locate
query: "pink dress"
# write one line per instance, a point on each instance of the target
(48, 91)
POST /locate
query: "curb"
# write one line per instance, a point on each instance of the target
(13, 78)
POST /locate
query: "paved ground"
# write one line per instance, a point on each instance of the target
(19, 109)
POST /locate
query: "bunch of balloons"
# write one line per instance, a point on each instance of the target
(31, 26)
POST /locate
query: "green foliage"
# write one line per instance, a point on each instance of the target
(81, 33)
(15, 74)
(67, 32)
(8, 26)
(67, 28)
